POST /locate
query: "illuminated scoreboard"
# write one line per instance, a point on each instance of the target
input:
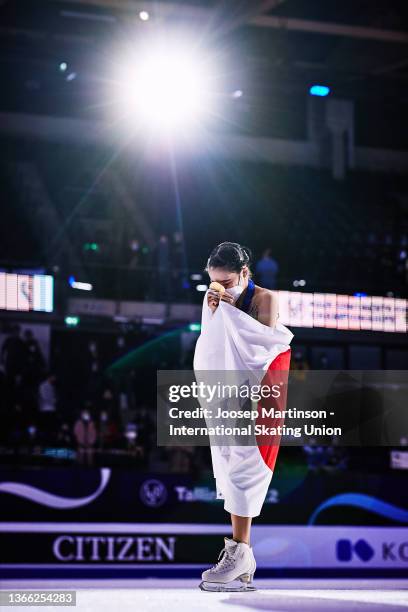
(334, 311)
(26, 292)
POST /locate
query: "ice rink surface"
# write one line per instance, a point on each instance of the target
(183, 595)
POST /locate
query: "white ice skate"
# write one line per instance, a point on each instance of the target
(235, 570)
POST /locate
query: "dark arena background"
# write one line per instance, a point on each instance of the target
(135, 137)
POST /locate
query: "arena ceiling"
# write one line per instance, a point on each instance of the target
(348, 39)
(274, 50)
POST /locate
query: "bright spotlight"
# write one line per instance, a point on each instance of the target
(144, 15)
(165, 89)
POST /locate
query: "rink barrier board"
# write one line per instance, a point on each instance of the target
(41, 550)
(39, 573)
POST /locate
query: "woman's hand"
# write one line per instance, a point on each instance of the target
(227, 297)
(213, 298)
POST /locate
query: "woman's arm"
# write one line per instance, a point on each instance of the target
(268, 308)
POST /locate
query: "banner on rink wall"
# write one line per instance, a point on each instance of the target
(297, 496)
(182, 546)
(120, 520)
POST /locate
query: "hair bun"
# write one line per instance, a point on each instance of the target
(230, 256)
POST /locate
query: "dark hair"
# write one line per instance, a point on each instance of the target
(231, 256)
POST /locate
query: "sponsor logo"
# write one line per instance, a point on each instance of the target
(392, 551)
(114, 548)
(195, 494)
(153, 493)
(346, 550)
(362, 549)
(205, 494)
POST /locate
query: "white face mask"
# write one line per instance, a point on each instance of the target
(236, 290)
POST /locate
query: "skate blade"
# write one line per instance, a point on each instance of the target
(220, 587)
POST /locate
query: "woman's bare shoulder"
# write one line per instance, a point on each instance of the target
(260, 292)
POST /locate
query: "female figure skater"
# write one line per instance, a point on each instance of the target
(242, 473)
